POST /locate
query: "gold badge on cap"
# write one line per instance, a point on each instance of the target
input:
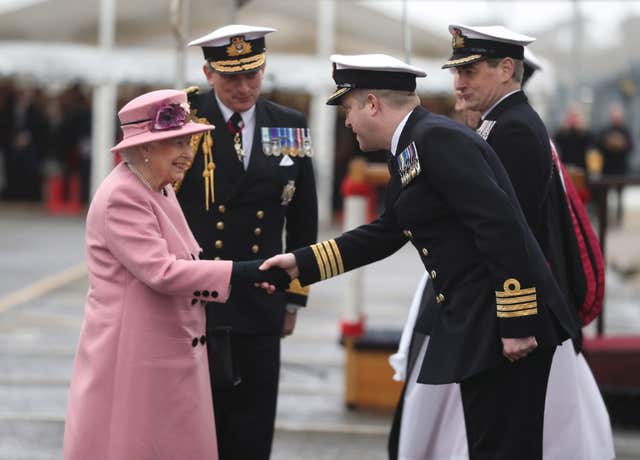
(457, 41)
(238, 47)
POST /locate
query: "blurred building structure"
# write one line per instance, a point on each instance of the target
(594, 73)
(144, 51)
(56, 43)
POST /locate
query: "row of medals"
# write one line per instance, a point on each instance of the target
(295, 142)
(408, 164)
(409, 174)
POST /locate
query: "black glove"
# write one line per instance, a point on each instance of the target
(247, 273)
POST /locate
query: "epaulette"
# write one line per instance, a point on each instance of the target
(191, 90)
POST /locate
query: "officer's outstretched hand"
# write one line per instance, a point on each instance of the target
(247, 274)
(517, 348)
(284, 261)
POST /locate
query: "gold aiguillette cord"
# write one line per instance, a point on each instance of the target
(209, 167)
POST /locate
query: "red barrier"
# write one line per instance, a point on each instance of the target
(54, 195)
(55, 199)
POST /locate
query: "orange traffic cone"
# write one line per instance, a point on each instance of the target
(54, 192)
(74, 203)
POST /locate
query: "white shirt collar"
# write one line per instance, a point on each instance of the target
(247, 115)
(396, 134)
(484, 115)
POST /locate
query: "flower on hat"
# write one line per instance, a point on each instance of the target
(169, 116)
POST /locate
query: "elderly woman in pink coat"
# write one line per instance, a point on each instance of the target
(140, 387)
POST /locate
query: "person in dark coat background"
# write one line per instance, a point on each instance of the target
(250, 180)
(616, 144)
(573, 139)
(26, 148)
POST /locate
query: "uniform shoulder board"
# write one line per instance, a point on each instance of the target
(485, 128)
(190, 90)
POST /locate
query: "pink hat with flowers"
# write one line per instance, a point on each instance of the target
(155, 116)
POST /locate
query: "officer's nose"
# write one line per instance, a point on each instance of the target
(243, 85)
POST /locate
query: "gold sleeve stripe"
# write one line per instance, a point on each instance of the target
(325, 261)
(323, 274)
(524, 298)
(514, 314)
(520, 306)
(332, 258)
(326, 258)
(296, 288)
(519, 292)
(336, 251)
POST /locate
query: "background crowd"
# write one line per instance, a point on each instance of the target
(46, 133)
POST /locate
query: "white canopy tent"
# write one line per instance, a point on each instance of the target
(65, 62)
(138, 45)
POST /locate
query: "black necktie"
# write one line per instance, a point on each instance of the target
(235, 125)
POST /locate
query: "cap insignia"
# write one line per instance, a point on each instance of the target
(458, 39)
(238, 47)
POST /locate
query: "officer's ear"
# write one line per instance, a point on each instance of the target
(507, 68)
(208, 73)
(372, 103)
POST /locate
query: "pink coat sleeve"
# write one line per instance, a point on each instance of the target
(134, 236)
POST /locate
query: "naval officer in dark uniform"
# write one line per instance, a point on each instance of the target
(250, 180)
(498, 312)
(488, 65)
(488, 70)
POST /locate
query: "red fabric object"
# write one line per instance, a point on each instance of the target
(585, 195)
(349, 329)
(624, 343)
(54, 195)
(351, 188)
(591, 259)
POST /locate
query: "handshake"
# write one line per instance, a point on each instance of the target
(273, 274)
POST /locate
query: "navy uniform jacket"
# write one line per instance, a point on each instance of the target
(519, 137)
(246, 221)
(461, 214)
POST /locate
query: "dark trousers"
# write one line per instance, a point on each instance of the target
(504, 409)
(245, 415)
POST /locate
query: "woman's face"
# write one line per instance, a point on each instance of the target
(169, 159)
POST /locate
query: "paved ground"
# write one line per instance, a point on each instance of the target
(39, 330)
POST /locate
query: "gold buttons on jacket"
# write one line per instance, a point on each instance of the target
(219, 244)
(257, 231)
(425, 252)
(433, 274)
(408, 234)
(255, 248)
(260, 214)
(220, 225)
(222, 209)
(440, 298)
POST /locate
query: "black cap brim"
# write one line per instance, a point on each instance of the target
(339, 93)
(457, 60)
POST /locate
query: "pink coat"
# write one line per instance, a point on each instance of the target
(140, 388)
